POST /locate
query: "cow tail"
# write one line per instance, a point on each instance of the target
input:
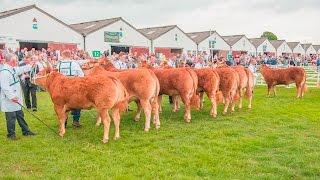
(250, 85)
(123, 98)
(154, 102)
(195, 99)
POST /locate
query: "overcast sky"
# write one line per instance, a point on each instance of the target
(293, 20)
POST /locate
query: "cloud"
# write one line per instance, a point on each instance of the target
(293, 20)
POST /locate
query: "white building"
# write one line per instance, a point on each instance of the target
(317, 48)
(113, 35)
(32, 27)
(240, 44)
(282, 48)
(309, 49)
(210, 42)
(297, 49)
(263, 46)
(169, 40)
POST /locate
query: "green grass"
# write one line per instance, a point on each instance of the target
(279, 138)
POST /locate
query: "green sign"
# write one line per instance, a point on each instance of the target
(230, 57)
(34, 26)
(113, 37)
(264, 48)
(96, 54)
(212, 44)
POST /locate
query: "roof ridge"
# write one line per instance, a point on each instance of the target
(234, 35)
(15, 9)
(158, 27)
(96, 20)
(200, 32)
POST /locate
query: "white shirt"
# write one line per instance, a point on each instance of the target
(119, 64)
(70, 68)
(10, 87)
(171, 63)
(198, 66)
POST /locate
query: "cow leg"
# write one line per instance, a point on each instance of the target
(233, 105)
(201, 99)
(62, 117)
(226, 105)
(298, 90)
(240, 99)
(274, 91)
(160, 103)
(138, 115)
(303, 88)
(269, 90)
(213, 111)
(98, 123)
(106, 124)
(187, 113)
(116, 120)
(250, 101)
(178, 103)
(147, 112)
(155, 108)
(174, 104)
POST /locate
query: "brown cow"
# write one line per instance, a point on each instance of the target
(142, 86)
(100, 92)
(181, 82)
(285, 76)
(229, 83)
(208, 82)
(246, 84)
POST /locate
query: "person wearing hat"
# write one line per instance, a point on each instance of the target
(11, 95)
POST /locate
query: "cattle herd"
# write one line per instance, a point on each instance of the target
(106, 88)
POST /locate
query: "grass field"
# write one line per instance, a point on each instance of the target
(279, 138)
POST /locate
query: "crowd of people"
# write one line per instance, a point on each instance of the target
(18, 69)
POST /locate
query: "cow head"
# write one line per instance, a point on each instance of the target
(262, 68)
(42, 78)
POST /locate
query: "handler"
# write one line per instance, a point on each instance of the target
(71, 68)
(11, 96)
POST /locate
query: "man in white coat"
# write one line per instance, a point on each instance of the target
(11, 96)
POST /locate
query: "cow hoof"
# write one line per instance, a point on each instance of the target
(250, 107)
(105, 141)
(146, 130)
(157, 126)
(214, 115)
(136, 119)
(224, 113)
(61, 135)
(116, 138)
(98, 124)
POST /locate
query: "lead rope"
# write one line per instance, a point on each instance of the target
(37, 118)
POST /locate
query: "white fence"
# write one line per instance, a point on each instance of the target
(313, 76)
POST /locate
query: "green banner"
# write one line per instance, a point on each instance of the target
(113, 37)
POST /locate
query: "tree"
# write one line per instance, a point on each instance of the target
(269, 35)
